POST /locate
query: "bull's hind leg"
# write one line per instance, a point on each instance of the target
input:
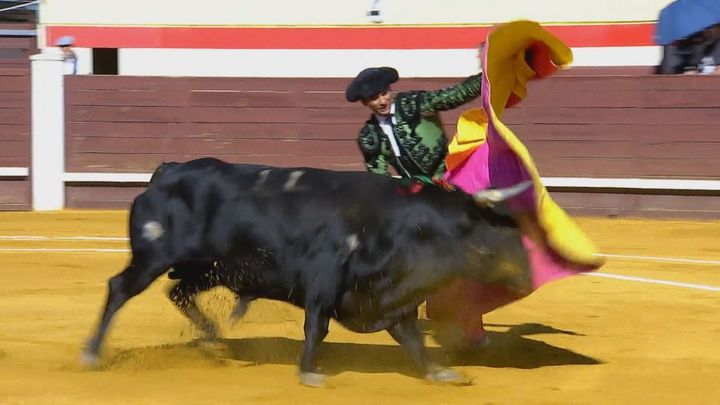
(242, 304)
(408, 334)
(321, 282)
(316, 329)
(134, 279)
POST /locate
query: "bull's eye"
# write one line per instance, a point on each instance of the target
(424, 232)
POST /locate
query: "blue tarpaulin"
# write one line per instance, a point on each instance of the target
(683, 18)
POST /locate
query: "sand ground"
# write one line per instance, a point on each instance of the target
(581, 340)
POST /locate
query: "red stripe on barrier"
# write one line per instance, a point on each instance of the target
(416, 37)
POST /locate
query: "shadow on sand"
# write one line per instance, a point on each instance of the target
(508, 349)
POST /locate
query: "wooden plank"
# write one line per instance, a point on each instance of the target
(209, 98)
(708, 169)
(271, 98)
(13, 116)
(145, 163)
(639, 205)
(14, 194)
(651, 82)
(15, 132)
(15, 99)
(267, 83)
(17, 42)
(623, 149)
(15, 83)
(6, 25)
(239, 130)
(697, 168)
(110, 82)
(125, 114)
(100, 197)
(14, 72)
(656, 116)
(607, 71)
(588, 167)
(216, 114)
(549, 96)
(614, 132)
(14, 63)
(546, 149)
(14, 148)
(15, 161)
(679, 149)
(213, 146)
(122, 97)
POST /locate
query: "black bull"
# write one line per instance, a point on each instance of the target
(352, 246)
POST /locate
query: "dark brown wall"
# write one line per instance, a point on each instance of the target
(275, 121)
(594, 124)
(16, 50)
(14, 136)
(647, 126)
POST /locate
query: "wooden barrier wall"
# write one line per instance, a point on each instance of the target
(589, 125)
(16, 50)
(14, 136)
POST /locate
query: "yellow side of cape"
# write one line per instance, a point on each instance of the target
(507, 74)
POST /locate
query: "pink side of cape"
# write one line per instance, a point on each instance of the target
(494, 164)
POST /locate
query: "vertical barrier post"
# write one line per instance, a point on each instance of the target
(48, 131)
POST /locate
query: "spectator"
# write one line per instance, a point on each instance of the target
(697, 54)
(66, 43)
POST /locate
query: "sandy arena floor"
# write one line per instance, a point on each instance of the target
(583, 340)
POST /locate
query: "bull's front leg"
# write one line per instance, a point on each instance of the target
(408, 334)
(316, 329)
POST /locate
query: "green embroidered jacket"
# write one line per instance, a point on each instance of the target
(418, 131)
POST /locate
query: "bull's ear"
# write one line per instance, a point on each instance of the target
(491, 197)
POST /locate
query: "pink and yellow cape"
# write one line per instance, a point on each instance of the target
(486, 153)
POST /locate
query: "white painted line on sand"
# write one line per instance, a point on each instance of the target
(595, 274)
(65, 250)
(654, 281)
(661, 259)
(66, 238)
(123, 239)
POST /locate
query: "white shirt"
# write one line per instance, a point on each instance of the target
(386, 124)
(70, 65)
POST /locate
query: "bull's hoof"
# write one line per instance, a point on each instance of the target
(315, 380)
(241, 308)
(89, 359)
(442, 375)
(212, 347)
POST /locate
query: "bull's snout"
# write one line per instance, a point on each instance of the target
(512, 265)
(515, 274)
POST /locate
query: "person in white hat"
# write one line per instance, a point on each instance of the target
(66, 43)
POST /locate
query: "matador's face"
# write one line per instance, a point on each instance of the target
(380, 104)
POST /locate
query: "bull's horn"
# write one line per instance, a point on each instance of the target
(489, 197)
